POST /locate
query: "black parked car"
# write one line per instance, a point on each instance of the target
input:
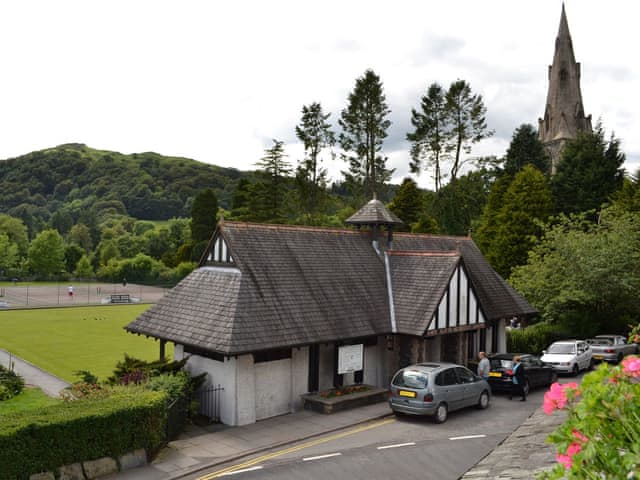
(536, 373)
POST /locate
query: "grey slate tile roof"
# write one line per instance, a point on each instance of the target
(419, 282)
(293, 285)
(373, 213)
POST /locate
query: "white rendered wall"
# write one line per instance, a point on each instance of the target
(245, 390)
(272, 388)
(219, 373)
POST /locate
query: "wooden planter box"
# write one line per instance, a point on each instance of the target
(313, 401)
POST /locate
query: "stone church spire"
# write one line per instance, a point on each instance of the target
(564, 113)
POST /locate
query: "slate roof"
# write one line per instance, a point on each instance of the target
(292, 286)
(373, 213)
(419, 281)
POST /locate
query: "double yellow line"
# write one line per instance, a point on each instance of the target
(302, 446)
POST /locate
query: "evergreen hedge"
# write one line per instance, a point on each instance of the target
(36, 441)
(534, 338)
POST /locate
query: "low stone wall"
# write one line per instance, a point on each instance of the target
(322, 404)
(92, 469)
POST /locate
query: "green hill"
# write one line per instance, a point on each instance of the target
(74, 178)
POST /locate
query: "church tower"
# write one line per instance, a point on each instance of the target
(564, 114)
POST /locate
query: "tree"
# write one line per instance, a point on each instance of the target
(84, 268)
(456, 206)
(408, 203)
(46, 254)
(72, 254)
(526, 205)
(467, 115)
(8, 255)
(526, 149)
(269, 194)
(627, 199)
(489, 223)
(16, 230)
(364, 128)
(203, 216)
(315, 133)
(588, 173)
(585, 275)
(430, 141)
(241, 199)
(80, 234)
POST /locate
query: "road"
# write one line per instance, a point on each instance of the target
(406, 447)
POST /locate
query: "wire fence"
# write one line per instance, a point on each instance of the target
(70, 294)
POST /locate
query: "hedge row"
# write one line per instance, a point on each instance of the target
(534, 338)
(36, 441)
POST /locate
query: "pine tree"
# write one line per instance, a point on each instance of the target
(588, 173)
(430, 140)
(526, 149)
(408, 203)
(315, 133)
(364, 127)
(203, 216)
(467, 115)
(269, 195)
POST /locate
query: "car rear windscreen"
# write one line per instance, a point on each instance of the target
(410, 379)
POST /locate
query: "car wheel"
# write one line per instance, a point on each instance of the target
(575, 370)
(483, 401)
(526, 387)
(441, 413)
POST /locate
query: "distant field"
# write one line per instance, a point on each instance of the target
(64, 340)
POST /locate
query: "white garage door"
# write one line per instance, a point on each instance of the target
(273, 388)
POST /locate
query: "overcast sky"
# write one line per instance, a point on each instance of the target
(217, 81)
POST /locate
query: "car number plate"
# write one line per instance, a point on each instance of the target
(598, 357)
(405, 393)
(495, 374)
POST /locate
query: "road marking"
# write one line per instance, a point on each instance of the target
(466, 437)
(320, 457)
(302, 446)
(251, 469)
(397, 445)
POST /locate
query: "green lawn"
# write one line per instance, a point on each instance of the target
(29, 399)
(65, 340)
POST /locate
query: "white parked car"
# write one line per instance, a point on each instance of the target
(568, 356)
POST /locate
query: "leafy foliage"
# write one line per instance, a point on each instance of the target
(268, 199)
(534, 338)
(585, 275)
(526, 149)
(11, 384)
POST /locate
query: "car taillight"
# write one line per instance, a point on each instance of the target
(608, 350)
(428, 397)
(509, 372)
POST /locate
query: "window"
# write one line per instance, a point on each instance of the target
(410, 379)
(464, 375)
(447, 377)
(272, 355)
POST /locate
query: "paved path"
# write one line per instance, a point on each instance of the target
(35, 376)
(521, 455)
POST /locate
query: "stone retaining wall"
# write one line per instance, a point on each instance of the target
(92, 469)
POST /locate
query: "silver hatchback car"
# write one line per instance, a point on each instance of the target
(435, 389)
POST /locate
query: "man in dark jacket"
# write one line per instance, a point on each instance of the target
(518, 380)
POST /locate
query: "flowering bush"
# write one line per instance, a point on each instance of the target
(601, 437)
(340, 391)
(634, 334)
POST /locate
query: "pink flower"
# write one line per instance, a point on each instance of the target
(567, 459)
(579, 436)
(564, 460)
(556, 397)
(631, 366)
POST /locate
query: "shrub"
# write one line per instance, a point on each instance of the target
(601, 436)
(534, 338)
(11, 384)
(36, 441)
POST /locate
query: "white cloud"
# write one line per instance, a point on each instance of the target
(217, 81)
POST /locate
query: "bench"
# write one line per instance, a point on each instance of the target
(120, 298)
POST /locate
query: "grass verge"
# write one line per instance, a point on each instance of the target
(29, 399)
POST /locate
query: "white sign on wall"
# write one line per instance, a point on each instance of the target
(350, 358)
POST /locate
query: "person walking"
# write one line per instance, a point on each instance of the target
(483, 366)
(518, 380)
(70, 291)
